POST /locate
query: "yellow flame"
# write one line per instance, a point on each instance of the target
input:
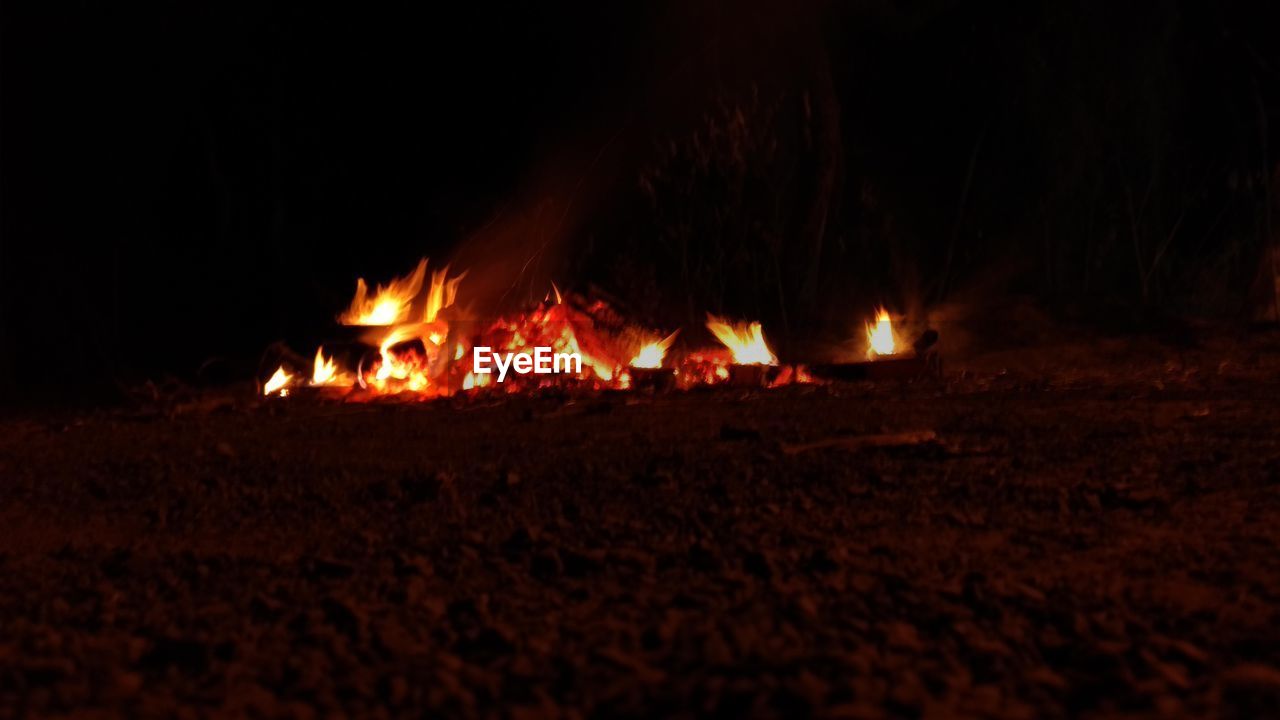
(652, 354)
(279, 382)
(326, 371)
(745, 341)
(325, 368)
(389, 304)
(391, 366)
(443, 291)
(880, 335)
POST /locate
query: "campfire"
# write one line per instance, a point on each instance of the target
(412, 339)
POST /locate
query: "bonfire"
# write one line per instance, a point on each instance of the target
(414, 343)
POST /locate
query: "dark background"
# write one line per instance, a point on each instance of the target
(192, 181)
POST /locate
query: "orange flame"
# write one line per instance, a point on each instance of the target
(444, 290)
(390, 303)
(745, 341)
(652, 354)
(880, 339)
(421, 348)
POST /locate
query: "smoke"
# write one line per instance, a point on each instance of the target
(705, 175)
(516, 256)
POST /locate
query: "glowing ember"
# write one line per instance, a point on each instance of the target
(880, 336)
(560, 327)
(389, 305)
(745, 341)
(419, 346)
(279, 382)
(651, 355)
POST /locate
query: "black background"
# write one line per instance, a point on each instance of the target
(185, 181)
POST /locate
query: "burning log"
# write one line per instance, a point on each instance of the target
(748, 375)
(305, 391)
(655, 379)
(298, 376)
(923, 362)
(911, 367)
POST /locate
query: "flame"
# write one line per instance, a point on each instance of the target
(407, 366)
(745, 341)
(652, 354)
(400, 367)
(444, 290)
(880, 336)
(279, 382)
(418, 348)
(390, 304)
(326, 371)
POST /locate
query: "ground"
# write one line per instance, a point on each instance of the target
(1079, 533)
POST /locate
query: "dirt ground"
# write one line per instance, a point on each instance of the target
(1089, 532)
